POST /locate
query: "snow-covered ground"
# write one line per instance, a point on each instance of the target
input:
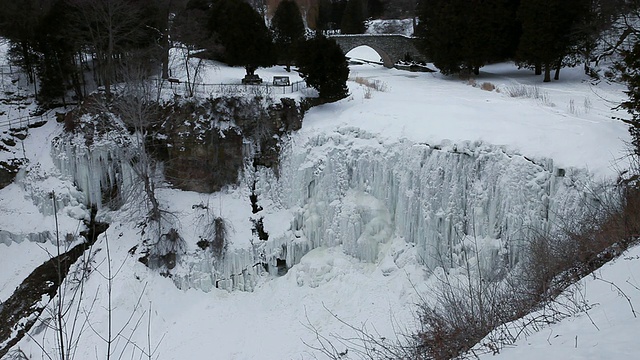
(566, 123)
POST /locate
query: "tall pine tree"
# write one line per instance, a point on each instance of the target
(288, 31)
(548, 32)
(441, 29)
(353, 18)
(630, 69)
(324, 67)
(243, 34)
(467, 34)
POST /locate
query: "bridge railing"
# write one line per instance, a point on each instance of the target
(21, 122)
(369, 35)
(202, 89)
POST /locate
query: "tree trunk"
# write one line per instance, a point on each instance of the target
(538, 67)
(107, 77)
(26, 57)
(476, 70)
(165, 54)
(166, 46)
(109, 66)
(557, 74)
(77, 76)
(547, 73)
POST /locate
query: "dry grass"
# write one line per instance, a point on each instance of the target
(376, 85)
(487, 86)
(527, 91)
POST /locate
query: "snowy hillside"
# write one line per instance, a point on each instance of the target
(373, 193)
(604, 322)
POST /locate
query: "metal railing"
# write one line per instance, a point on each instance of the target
(191, 88)
(200, 89)
(21, 122)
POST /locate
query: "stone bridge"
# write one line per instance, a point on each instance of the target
(390, 47)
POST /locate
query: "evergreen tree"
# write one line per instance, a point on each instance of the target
(44, 44)
(191, 25)
(57, 42)
(242, 33)
(353, 18)
(288, 30)
(464, 34)
(441, 29)
(324, 67)
(323, 17)
(18, 23)
(375, 8)
(548, 32)
(53, 37)
(630, 69)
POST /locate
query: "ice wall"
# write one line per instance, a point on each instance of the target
(433, 196)
(353, 189)
(350, 189)
(7, 237)
(99, 169)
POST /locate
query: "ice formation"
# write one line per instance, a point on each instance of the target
(347, 188)
(7, 237)
(97, 168)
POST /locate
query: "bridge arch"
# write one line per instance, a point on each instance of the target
(386, 60)
(390, 47)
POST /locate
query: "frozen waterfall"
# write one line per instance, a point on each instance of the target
(348, 188)
(98, 169)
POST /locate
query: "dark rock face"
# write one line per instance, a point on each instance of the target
(205, 145)
(204, 166)
(9, 142)
(9, 170)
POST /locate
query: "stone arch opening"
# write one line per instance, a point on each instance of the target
(384, 57)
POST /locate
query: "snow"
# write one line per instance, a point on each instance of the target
(429, 108)
(363, 53)
(390, 26)
(371, 189)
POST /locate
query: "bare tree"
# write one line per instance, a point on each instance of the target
(113, 28)
(136, 107)
(193, 67)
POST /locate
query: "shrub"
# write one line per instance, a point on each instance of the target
(376, 85)
(487, 86)
(526, 91)
(169, 246)
(218, 233)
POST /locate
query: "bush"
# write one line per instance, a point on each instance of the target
(169, 246)
(372, 84)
